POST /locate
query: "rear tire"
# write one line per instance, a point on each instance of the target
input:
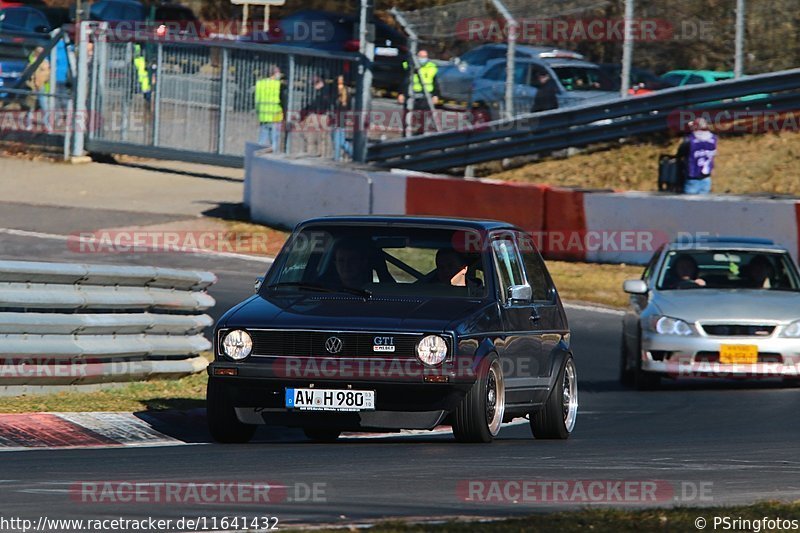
(480, 414)
(223, 424)
(322, 434)
(556, 419)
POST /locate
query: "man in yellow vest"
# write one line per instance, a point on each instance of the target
(142, 72)
(269, 96)
(425, 80)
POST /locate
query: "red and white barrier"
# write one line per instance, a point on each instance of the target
(569, 224)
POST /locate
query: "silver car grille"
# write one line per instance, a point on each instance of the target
(738, 330)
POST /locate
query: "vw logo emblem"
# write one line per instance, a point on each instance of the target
(333, 345)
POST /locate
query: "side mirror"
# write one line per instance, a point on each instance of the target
(257, 286)
(41, 29)
(634, 286)
(455, 60)
(519, 294)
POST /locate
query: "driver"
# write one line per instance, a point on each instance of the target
(451, 268)
(352, 264)
(684, 273)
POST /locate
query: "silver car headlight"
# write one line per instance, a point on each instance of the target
(667, 325)
(792, 330)
(432, 350)
(237, 344)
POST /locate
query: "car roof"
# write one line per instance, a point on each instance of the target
(727, 243)
(530, 49)
(383, 220)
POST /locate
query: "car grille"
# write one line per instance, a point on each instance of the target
(287, 343)
(738, 330)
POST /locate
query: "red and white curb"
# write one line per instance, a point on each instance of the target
(37, 431)
(48, 431)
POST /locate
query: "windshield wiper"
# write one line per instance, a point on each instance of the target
(322, 288)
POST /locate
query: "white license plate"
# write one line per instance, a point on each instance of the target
(386, 51)
(330, 400)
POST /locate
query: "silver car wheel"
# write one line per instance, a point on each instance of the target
(569, 397)
(495, 398)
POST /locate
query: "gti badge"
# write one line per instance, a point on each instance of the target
(383, 344)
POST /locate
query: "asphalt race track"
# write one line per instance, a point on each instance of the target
(707, 442)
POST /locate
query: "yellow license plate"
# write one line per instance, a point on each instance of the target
(738, 354)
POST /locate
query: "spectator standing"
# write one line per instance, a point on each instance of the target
(269, 98)
(546, 93)
(697, 153)
(317, 118)
(340, 108)
(424, 80)
(39, 81)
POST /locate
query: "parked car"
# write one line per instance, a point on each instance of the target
(23, 19)
(57, 16)
(336, 32)
(642, 81)
(455, 80)
(714, 307)
(578, 82)
(156, 21)
(679, 78)
(380, 323)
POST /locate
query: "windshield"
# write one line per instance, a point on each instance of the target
(379, 261)
(728, 269)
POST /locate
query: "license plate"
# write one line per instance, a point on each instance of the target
(386, 51)
(330, 400)
(738, 354)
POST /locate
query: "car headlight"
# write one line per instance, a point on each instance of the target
(237, 344)
(792, 330)
(673, 326)
(432, 350)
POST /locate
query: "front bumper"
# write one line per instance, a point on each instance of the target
(678, 356)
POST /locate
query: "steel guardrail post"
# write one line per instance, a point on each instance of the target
(223, 102)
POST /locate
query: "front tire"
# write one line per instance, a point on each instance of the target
(556, 419)
(626, 375)
(479, 416)
(643, 380)
(223, 423)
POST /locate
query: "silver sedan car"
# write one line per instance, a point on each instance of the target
(718, 307)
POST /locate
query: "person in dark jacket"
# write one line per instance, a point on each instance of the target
(316, 125)
(546, 94)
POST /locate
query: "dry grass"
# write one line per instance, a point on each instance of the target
(745, 164)
(185, 393)
(594, 283)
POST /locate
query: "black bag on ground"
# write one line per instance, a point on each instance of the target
(670, 177)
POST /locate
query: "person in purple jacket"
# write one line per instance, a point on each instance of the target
(697, 151)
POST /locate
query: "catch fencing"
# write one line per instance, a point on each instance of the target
(75, 324)
(201, 103)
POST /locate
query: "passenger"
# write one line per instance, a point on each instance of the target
(759, 272)
(352, 263)
(684, 273)
(451, 268)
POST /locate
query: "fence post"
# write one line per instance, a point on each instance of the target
(511, 24)
(81, 92)
(289, 106)
(157, 94)
(223, 102)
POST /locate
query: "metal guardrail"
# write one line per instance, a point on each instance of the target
(67, 324)
(582, 125)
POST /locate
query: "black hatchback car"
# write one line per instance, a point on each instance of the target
(388, 323)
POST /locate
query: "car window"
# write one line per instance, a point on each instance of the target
(728, 269)
(498, 73)
(507, 261)
(14, 17)
(37, 21)
(650, 268)
(477, 56)
(694, 79)
(579, 78)
(386, 261)
(535, 270)
(673, 79)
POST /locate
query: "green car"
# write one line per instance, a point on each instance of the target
(679, 78)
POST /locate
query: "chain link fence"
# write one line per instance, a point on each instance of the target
(201, 96)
